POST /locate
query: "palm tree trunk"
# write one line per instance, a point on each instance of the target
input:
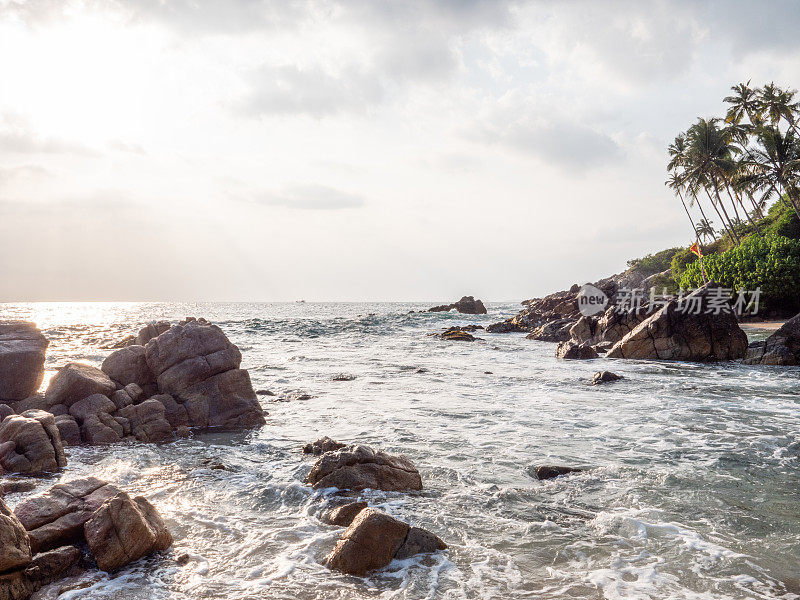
(725, 212)
(688, 214)
(719, 214)
(702, 212)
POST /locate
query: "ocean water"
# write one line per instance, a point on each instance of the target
(693, 489)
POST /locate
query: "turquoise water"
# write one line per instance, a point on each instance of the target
(693, 492)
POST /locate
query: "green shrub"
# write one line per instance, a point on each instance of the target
(682, 259)
(653, 263)
(771, 263)
(782, 220)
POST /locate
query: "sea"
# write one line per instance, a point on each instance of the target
(691, 488)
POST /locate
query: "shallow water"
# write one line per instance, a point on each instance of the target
(694, 488)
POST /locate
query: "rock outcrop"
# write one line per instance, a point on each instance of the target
(374, 539)
(129, 365)
(57, 516)
(125, 529)
(77, 381)
(31, 443)
(360, 467)
(781, 348)
(675, 332)
(199, 367)
(605, 377)
(467, 305)
(544, 472)
(41, 570)
(455, 334)
(322, 445)
(15, 548)
(343, 515)
(22, 352)
(553, 331)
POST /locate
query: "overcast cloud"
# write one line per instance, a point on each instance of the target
(347, 150)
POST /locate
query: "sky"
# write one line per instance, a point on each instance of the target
(247, 150)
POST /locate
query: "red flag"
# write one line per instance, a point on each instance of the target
(695, 249)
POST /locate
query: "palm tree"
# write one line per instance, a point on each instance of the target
(704, 230)
(675, 183)
(744, 103)
(777, 104)
(777, 161)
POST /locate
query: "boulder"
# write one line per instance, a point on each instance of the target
(583, 331)
(553, 331)
(198, 366)
(174, 412)
(605, 377)
(125, 529)
(322, 445)
(343, 515)
(551, 472)
(129, 365)
(77, 381)
(572, 351)
(57, 516)
(128, 395)
(22, 352)
(467, 305)
(675, 334)
(31, 443)
(374, 539)
(615, 324)
(69, 430)
(91, 405)
(5, 411)
(15, 547)
(781, 348)
(43, 569)
(147, 421)
(360, 467)
(101, 429)
(455, 334)
(34, 402)
(150, 331)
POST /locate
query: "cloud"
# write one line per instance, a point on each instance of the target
(17, 136)
(310, 197)
(21, 174)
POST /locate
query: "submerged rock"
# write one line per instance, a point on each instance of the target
(22, 353)
(604, 377)
(360, 467)
(374, 539)
(672, 334)
(125, 529)
(455, 334)
(31, 443)
(322, 445)
(544, 472)
(780, 348)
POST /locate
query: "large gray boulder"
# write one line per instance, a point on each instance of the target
(129, 365)
(781, 348)
(360, 467)
(374, 539)
(31, 443)
(125, 529)
(198, 366)
(76, 381)
(57, 516)
(22, 353)
(672, 334)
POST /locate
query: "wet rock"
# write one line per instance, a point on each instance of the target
(69, 430)
(197, 365)
(147, 421)
(129, 365)
(322, 445)
(467, 305)
(615, 324)
(455, 334)
(57, 516)
(91, 405)
(77, 381)
(780, 348)
(265, 393)
(583, 331)
(43, 569)
(343, 377)
(174, 412)
(360, 467)
(572, 351)
(554, 331)
(605, 377)
(17, 486)
(374, 539)
(15, 548)
(22, 352)
(101, 429)
(670, 334)
(31, 443)
(5, 411)
(294, 396)
(125, 529)
(343, 515)
(551, 472)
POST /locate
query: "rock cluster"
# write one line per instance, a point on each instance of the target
(374, 539)
(30, 443)
(468, 305)
(781, 348)
(41, 538)
(360, 467)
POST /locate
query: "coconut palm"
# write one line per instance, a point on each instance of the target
(776, 159)
(744, 103)
(776, 104)
(675, 183)
(704, 229)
